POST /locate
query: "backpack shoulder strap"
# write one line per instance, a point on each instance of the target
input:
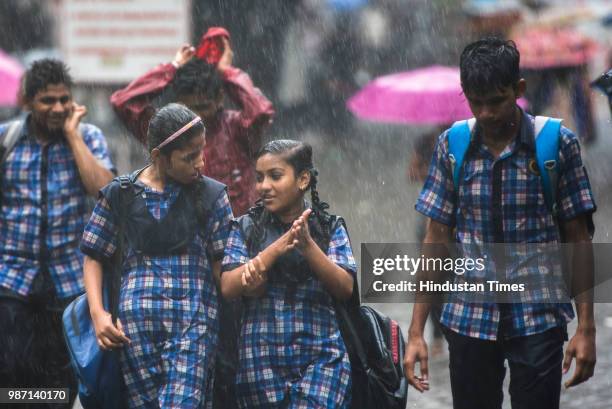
(337, 222)
(459, 138)
(116, 262)
(10, 137)
(124, 181)
(547, 136)
(348, 313)
(212, 191)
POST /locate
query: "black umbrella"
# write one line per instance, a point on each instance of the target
(604, 84)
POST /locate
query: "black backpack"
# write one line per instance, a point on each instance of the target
(375, 345)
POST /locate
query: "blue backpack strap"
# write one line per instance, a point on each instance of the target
(547, 136)
(459, 138)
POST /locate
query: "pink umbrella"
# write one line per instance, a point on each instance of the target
(10, 77)
(426, 96)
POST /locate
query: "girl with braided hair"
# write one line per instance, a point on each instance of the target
(175, 223)
(289, 260)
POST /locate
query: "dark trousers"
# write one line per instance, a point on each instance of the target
(33, 352)
(477, 370)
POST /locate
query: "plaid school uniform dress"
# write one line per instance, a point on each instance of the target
(44, 211)
(514, 213)
(291, 352)
(168, 307)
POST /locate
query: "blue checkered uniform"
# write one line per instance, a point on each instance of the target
(28, 168)
(291, 352)
(525, 219)
(168, 306)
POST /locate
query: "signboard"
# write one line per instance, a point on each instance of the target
(113, 41)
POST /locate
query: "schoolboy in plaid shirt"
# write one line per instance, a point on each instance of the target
(55, 163)
(499, 200)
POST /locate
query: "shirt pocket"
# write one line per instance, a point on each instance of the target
(525, 203)
(526, 185)
(63, 176)
(475, 192)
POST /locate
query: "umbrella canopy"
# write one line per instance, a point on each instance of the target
(10, 77)
(426, 96)
(544, 47)
(491, 7)
(346, 5)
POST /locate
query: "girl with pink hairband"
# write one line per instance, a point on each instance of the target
(176, 226)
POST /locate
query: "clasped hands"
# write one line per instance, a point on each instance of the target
(255, 272)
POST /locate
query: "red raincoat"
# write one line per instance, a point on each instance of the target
(230, 142)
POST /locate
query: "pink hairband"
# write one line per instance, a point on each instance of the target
(179, 132)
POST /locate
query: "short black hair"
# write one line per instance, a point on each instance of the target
(43, 73)
(197, 77)
(489, 64)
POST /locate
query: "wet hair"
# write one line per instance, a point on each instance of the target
(489, 64)
(43, 73)
(164, 123)
(299, 156)
(197, 77)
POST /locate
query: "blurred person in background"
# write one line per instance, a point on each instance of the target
(232, 136)
(604, 84)
(563, 92)
(418, 167)
(55, 163)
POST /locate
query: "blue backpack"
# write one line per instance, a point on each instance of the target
(98, 372)
(547, 135)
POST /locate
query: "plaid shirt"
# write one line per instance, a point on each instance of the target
(292, 349)
(168, 306)
(44, 211)
(518, 215)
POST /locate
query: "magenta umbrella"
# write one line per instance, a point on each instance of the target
(10, 77)
(425, 96)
